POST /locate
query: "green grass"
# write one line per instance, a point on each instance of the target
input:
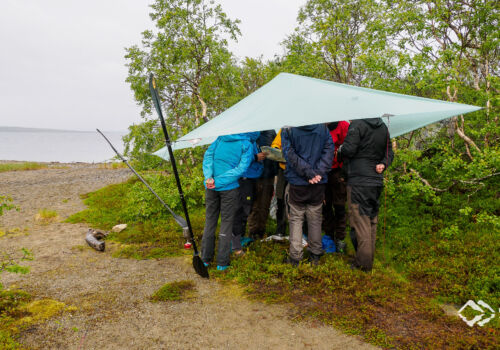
(11, 303)
(156, 237)
(385, 307)
(424, 259)
(46, 216)
(174, 291)
(21, 166)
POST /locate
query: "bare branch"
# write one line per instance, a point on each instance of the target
(426, 183)
(466, 138)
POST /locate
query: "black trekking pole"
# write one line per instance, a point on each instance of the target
(179, 219)
(198, 264)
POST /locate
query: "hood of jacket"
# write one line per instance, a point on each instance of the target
(308, 128)
(234, 137)
(374, 123)
(252, 136)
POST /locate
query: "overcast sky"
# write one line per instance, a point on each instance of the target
(62, 61)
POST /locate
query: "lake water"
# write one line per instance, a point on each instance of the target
(59, 146)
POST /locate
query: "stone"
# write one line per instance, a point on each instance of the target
(119, 228)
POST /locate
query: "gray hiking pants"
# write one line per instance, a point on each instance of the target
(224, 203)
(313, 213)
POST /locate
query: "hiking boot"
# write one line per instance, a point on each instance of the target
(245, 241)
(341, 246)
(292, 261)
(314, 259)
(222, 268)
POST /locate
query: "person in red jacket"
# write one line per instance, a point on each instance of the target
(334, 213)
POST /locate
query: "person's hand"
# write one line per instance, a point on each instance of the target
(261, 156)
(210, 184)
(379, 168)
(315, 180)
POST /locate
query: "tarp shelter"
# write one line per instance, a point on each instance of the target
(294, 100)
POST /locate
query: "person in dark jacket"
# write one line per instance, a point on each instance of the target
(225, 161)
(263, 190)
(367, 152)
(334, 213)
(308, 151)
(247, 193)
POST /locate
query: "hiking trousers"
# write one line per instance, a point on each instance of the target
(243, 208)
(310, 209)
(363, 218)
(257, 219)
(225, 204)
(281, 212)
(334, 213)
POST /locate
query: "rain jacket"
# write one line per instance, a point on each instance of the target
(277, 144)
(367, 144)
(308, 151)
(255, 169)
(227, 159)
(338, 131)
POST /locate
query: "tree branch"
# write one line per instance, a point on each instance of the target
(426, 183)
(474, 181)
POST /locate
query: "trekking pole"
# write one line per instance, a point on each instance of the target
(179, 219)
(198, 264)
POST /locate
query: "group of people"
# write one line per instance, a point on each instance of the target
(326, 165)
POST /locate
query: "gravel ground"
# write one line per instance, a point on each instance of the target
(112, 295)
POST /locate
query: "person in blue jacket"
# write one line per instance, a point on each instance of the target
(224, 162)
(247, 193)
(308, 151)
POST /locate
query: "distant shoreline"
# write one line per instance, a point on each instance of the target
(22, 129)
(5, 161)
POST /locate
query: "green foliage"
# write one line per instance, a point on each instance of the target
(384, 307)
(195, 71)
(21, 166)
(174, 291)
(151, 232)
(442, 203)
(5, 204)
(343, 41)
(141, 141)
(11, 300)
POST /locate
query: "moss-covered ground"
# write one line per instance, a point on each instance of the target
(174, 291)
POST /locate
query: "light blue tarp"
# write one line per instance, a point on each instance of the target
(294, 100)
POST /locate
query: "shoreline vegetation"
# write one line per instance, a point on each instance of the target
(21, 166)
(15, 165)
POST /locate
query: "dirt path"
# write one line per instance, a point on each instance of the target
(112, 294)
